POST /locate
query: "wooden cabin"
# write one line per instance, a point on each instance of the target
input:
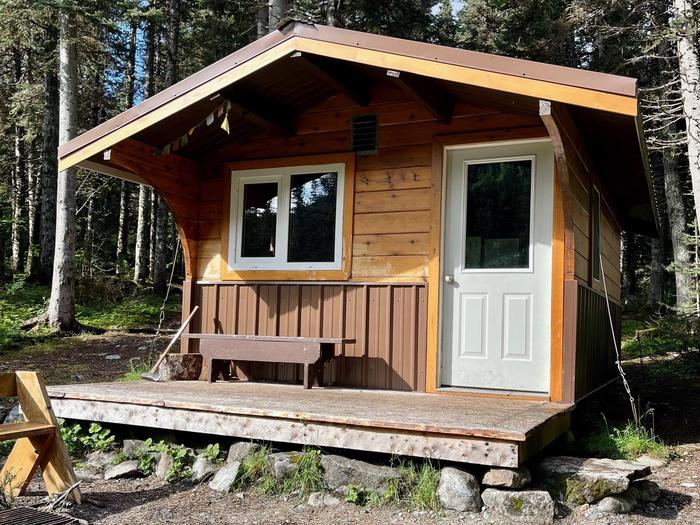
(451, 218)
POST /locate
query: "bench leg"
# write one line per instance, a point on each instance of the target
(210, 371)
(307, 376)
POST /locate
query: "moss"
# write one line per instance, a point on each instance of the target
(515, 504)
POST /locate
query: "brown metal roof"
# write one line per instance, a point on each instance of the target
(564, 76)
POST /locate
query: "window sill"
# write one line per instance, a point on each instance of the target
(228, 274)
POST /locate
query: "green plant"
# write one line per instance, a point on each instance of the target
(98, 439)
(6, 448)
(182, 459)
(660, 335)
(254, 471)
(213, 452)
(307, 477)
(7, 500)
(628, 442)
(137, 367)
(72, 437)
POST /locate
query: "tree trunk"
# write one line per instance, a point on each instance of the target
(278, 12)
(689, 69)
(88, 239)
(123, 229)
(263, 19)
(159, 260)
(677, 228)
(61, 311)
(657, 271)
(331, 10)
(172, 41)
(141, 252)
(19, 184)
(152, 233)
(33, 213)
(49, 165)
(629, 278)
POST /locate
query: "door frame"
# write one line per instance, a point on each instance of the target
(433, 381)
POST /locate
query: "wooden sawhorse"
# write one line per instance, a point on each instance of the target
(38, 439)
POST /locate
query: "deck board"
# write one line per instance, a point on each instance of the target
(475, 416)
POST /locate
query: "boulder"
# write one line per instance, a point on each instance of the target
(651, 461)
(88, 473)
(507, 478)
(224, 479)
(100, 460)
(180, 367)
(15, 415)
(340, 472)
(282, 463)
(644, 490)
(586, 480)
(126, 469)
(164, 464)
(202, 469)
(322, 499)
(240, 451)
(459, 490)
(532, 507)
(619, 504)
(134, 448)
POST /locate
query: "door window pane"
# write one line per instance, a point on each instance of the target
(259, 219)
(498, 215)
(312, 209)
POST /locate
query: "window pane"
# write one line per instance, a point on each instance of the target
(259, 219)
(312, 217)
(498, 215)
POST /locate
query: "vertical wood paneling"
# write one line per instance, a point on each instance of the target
(595, 344)
(387, 320)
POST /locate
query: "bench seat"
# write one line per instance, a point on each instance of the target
(312, 352)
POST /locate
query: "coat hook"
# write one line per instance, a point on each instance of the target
(388, 179)
(365, 180)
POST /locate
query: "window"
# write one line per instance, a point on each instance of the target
(287, 218)
(595, 235)
(498, 201)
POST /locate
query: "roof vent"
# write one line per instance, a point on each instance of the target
(364, 134)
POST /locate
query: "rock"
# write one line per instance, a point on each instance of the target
(282, 463)
(339, 472)
(459, 490)
(88, 473)
(507, 478)
(224, 479)
(202, 469)
(582, 480)
(100, 460)
(163, 466)
(645, 490)
(534, 507)
(651, 461)
(619, 504)
(126, 469)
(133, 448)
(14, 415)
(322, 499)
(180, 367)
(113, 357)
(240, 451)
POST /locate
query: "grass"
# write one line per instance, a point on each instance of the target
(106, 304)
(136, 368)
(625, 442)
(658, 336)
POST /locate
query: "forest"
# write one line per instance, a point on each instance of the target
(125, 51)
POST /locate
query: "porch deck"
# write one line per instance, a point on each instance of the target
(472, 429)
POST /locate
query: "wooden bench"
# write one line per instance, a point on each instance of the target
(312, 352)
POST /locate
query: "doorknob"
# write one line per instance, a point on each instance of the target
(449, 279)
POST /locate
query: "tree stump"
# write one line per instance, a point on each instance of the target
(180, 367)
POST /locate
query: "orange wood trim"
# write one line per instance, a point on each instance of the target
(434, 269)
(229, 274)
(562, 248)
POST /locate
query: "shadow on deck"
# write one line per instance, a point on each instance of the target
(465, 428)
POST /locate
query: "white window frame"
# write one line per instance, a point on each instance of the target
(531, 247)
(282, 176)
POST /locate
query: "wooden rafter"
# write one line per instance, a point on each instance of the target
(353, 88)
(262, 114)
(426, 93)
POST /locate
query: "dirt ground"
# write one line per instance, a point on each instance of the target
(676, 411)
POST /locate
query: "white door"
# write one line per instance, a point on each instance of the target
(497, 267)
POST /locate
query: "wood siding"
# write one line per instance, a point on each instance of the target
(392, 204)
(388, 322)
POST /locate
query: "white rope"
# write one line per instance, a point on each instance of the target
(161, 316)
(617, 350)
